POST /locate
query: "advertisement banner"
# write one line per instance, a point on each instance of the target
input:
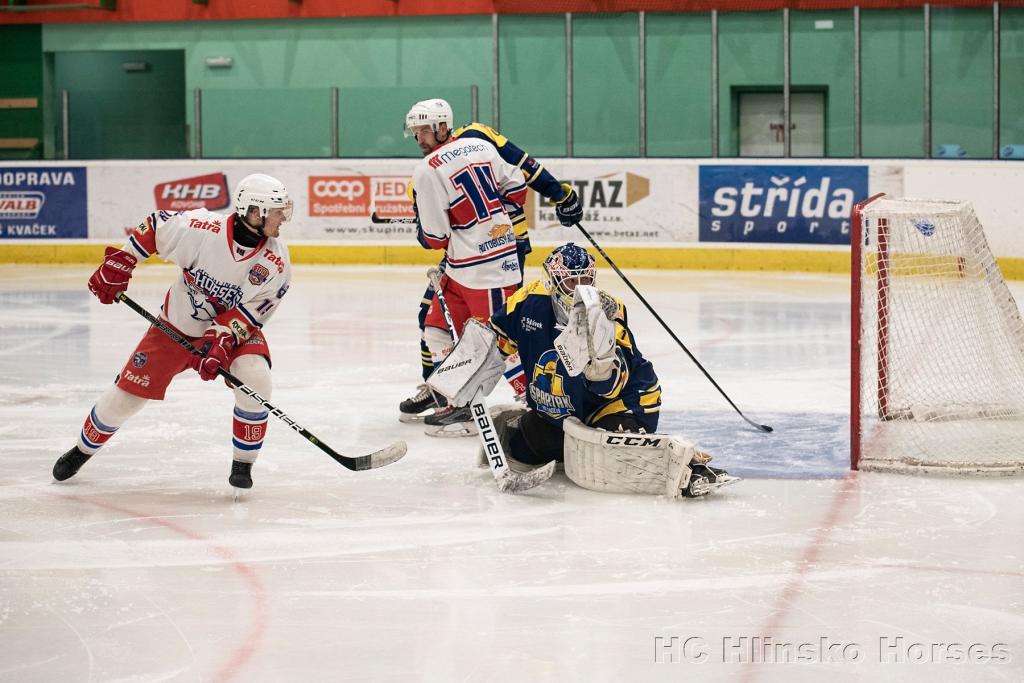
(358, 202)
(623, 201)
(779, 204)
(43, 202)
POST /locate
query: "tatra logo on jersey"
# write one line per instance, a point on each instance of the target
(212, 226)
(209, 296)
(141, 380)
(275, 259)
(547, 387)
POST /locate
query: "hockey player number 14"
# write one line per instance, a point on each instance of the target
(477, 184)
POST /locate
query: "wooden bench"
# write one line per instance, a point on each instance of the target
(18, 143)
(19, 102)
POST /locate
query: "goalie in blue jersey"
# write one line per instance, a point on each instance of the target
(593, 399)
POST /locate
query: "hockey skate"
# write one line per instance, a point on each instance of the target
(705, 479)
(241, 474)
(450, 421)
(68, 464)
(412, 409)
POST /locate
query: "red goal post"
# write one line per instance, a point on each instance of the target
(937, 343)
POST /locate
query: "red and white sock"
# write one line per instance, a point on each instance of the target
(249, 430)
(94, 433)
(112, 410)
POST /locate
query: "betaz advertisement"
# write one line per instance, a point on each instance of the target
(43, 202)
(779, 204)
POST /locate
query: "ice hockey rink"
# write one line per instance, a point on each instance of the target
(144, 568)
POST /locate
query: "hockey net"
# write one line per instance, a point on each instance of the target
(938, 344)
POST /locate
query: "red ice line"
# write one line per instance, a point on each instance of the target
(253, 638)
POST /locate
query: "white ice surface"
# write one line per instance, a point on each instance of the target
(142, 568)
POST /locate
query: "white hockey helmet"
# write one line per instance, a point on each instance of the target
(428, 113)
(263, 191)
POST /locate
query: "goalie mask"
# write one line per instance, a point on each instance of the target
(567, 266)
(264, 192)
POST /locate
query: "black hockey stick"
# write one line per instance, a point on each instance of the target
(384, 456)
(509, 481)
(763, 428)
(374, 218)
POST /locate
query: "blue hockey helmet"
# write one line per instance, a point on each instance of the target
(567, 266)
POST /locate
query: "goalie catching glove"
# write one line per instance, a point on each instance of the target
(587, 344)
(475, 363)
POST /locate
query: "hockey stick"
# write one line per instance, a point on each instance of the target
(374, 218)
(763, 428)
(509, 481)
(384, 456)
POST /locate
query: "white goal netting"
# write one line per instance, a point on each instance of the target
(939, 382)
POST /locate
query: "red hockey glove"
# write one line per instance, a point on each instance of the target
(111, 278)
(217, 343)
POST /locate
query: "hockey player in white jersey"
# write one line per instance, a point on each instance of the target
(470, 190)
(234, 273)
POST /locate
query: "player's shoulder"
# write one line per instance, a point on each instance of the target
(192, 221)
(528, 296)
(275, 249)
(480, 131)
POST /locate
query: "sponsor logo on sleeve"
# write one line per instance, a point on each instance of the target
(200, 192)
(787, 204)
(43, 202)
(275, 259)
(258, 274)
(212, 226)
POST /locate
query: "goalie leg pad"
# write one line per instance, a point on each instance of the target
(475, 363)
(626, 462)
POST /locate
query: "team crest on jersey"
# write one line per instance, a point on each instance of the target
(139, 359)
(258, 274)
(547, 387)
(209, 296)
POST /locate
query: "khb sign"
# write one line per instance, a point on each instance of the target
(780, 204)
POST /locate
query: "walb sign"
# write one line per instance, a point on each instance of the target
(780, 204)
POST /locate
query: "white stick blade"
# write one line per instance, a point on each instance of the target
(388, 455)
(517, 482)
